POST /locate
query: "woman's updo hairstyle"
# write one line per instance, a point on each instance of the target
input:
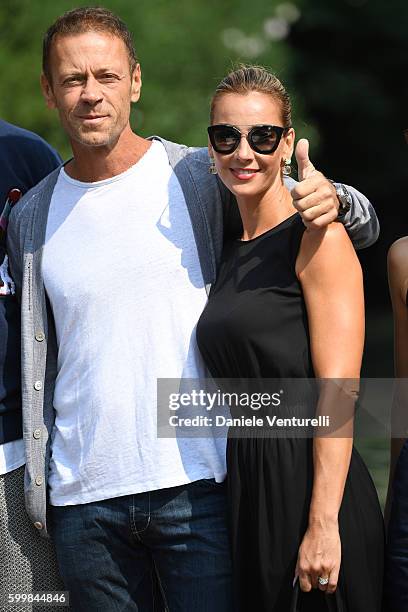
(247, 78)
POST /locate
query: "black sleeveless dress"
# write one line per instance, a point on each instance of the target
(255, 326)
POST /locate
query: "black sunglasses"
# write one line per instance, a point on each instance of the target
(261, 138)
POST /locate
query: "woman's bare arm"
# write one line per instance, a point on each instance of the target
(331, 279)
(398, 283)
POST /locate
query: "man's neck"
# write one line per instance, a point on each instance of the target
(91, 164)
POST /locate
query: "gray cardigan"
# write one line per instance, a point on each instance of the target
(209, 205)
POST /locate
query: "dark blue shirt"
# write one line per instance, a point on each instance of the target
(25, 159)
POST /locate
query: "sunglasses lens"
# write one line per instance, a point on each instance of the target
(224, 139)
(264, 139)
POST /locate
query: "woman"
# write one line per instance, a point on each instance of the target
(288, 303)
(397, 501)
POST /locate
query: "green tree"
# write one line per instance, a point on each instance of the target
(184, 47)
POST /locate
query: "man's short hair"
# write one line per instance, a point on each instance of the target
(87, 19)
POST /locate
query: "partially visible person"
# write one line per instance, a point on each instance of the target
(397, 499)
(27, 562)
(288, 303)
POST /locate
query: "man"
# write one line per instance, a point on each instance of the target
(124, 240)
(28, 562)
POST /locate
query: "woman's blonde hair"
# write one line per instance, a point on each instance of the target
(247, 78)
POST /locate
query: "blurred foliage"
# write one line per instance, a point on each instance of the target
(350, 63)
(185, 48)
(375, 452)
(344, 61)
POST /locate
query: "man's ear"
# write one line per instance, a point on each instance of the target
(48, 94)
(136, 83)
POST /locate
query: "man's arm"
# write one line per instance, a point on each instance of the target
(14, 250)
(316, 199)
(30, 160)
(361, 222)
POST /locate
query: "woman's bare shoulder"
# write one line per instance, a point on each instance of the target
(325, 249)
(398, 255)
(398, 271)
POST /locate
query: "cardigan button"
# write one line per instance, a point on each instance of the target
(40, 336)
(38, 525)
(38, 385)
(39, 480)
(37, 434)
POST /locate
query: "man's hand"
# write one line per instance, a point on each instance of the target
(314, 196)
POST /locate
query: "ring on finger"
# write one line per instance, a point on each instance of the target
(323, 581)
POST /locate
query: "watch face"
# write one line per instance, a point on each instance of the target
(344, 198)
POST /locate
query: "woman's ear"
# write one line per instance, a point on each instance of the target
(212, 169)
(289, 143)
(210, 150)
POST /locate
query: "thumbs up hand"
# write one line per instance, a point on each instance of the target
(305, 166)
(314, 196)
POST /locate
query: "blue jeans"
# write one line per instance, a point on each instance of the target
(396, 578)
(111, 553)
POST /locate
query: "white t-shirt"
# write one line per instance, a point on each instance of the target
(121, 269)
(11, 453)
(11, 456)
